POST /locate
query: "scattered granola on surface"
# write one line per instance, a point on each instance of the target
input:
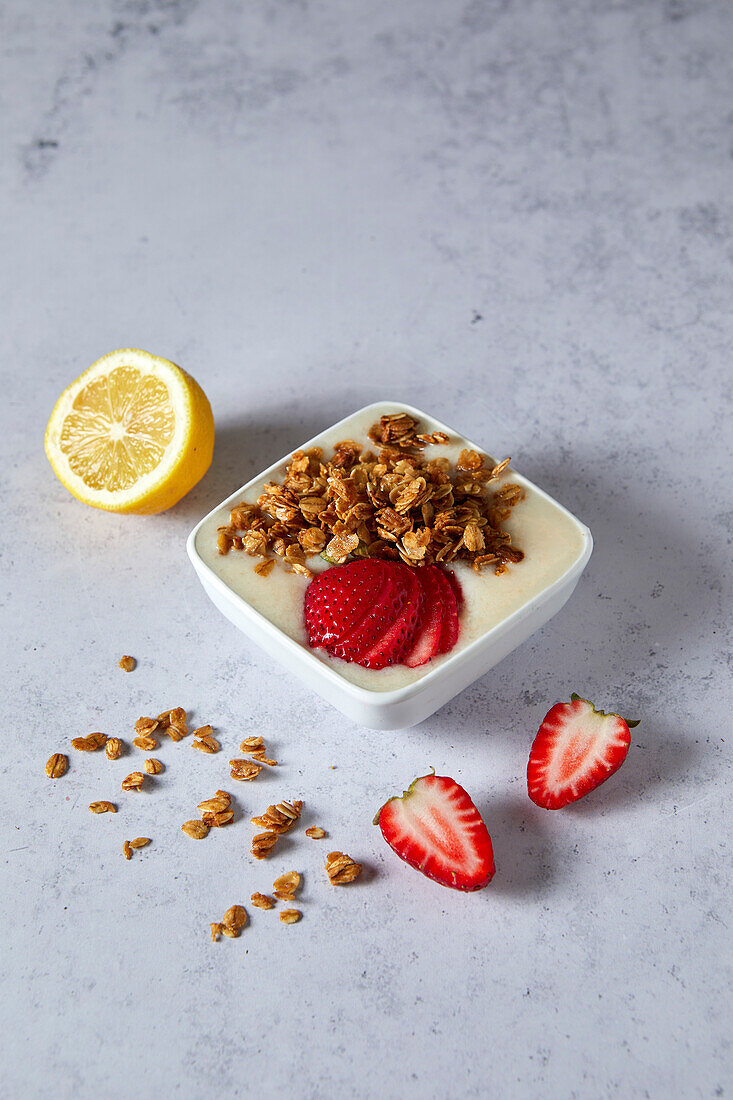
(91, 743)
(140, 842)
(114, 748)
(57, 765)
(244, 769)
(147, 744)
(196, 829)
(204, 741)
(133, 781)
(396, 505)
(290, 916)
(173, 722)
(315, 832)
(103, 807)
(235, 918)
(127, 850)
(252, 744)
(285, 886)
(342, 869)
(215, 811)
(216, 930)
(279, 818)
(126, 663)
(262, 901)
(153, 766)
(262, 844)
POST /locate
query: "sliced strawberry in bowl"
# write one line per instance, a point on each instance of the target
(449, 622)
(367, 632)
(339, 598)
(390, 646)
(576, 749)
(426, 642)
(435, 827)
(456, 586)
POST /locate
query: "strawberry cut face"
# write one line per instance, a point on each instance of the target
(576, 749)
(435, 827)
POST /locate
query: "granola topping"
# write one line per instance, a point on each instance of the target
(396, 504)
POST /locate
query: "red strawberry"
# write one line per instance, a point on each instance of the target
(339, 598)
(576, 749)
(435, 827)
(397, 637)
(370, 629)
(449, 623)
(427, 636)
(456, 586)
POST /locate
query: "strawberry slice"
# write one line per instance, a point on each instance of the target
(339, 598)
(456, 586)
(576, 749)
(427, 636)
(390, 646)
(381, 616)
(435, 827)
(449, 621)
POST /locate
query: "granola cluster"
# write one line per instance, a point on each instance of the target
(395, 504)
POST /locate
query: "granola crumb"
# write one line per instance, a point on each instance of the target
(244, 770)
(218, 820)
(103, 807)
(262, 844)
(252, 744)
(140, 842)
(57, 765)
(147, 744)
(342, 869)
(315, 832)
(153, 766)
(114, 748)
(290, 916)
(285, 886)
(91, 743)
(126, 663)
(196, 829)
(279, 818)
(235, 919)
(145, 726)
(133, 781)
(204, 741)
(264, 568)
(220, 802)
(127, 850)
(262, 901)
(216, 930)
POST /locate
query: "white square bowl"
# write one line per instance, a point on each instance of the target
(407, 705)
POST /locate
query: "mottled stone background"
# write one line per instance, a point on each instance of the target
(518, 215)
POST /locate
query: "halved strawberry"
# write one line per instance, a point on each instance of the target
(449, 622)
(390, 646)
(340, 597)
(576, 749)
(435, 827)
(427, 636)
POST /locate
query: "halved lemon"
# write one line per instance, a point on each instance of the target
(133, 433)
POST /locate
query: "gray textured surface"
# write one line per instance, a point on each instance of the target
(518, 215)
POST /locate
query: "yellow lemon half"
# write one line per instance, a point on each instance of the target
(132, 434)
